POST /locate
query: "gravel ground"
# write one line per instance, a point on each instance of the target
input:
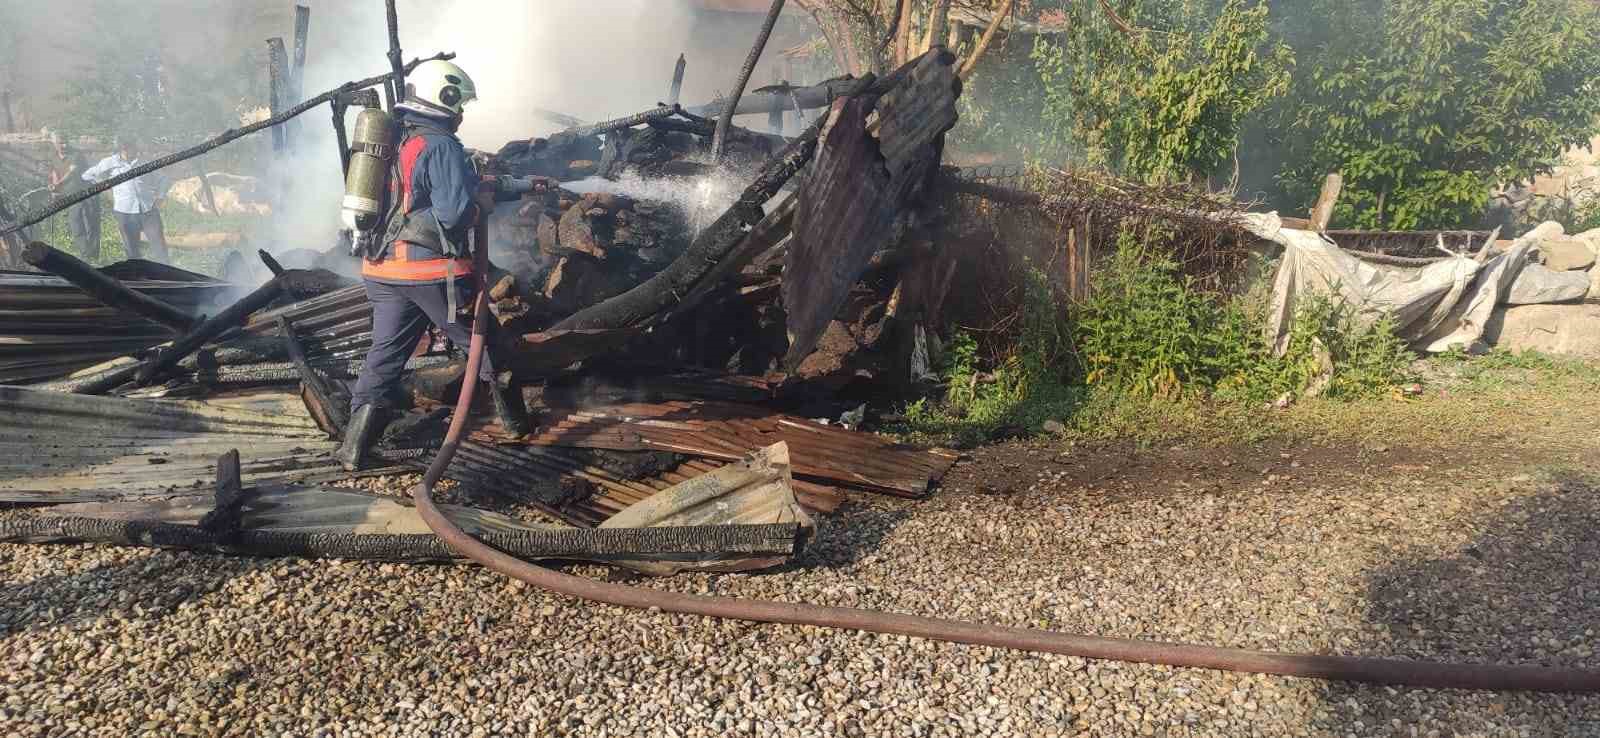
(1387, 552)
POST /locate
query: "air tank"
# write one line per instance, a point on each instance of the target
(364, 185)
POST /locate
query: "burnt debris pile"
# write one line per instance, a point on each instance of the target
(667, 312)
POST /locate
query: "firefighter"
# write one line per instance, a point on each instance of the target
(418, 269)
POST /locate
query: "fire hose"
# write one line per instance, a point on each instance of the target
(1339, 668)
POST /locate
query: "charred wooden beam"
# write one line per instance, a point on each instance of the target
(231, 317)
(749, 68)
(398, 72)
(277, 89)
(614, 124)
(224, 517)
(819, 95)
(106, 289)
(677, 81)
(663, 293)
(327, 401)
(272, 264)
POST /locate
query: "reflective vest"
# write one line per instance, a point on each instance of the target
(407, 226)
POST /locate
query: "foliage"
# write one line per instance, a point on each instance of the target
(1149, 345)
(1001, 109)
(1163, 101)
(128, 88)
(1148, 333)
(1028, 386)
(1425, 105)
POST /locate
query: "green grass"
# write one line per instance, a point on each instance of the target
(179, 221)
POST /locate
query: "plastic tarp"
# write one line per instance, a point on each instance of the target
(1442, 304)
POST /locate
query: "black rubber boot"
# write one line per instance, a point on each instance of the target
(509, 408)
(366, 425)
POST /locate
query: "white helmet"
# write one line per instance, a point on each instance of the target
(440, 86)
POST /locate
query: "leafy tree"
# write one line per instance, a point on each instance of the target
(1158, 91)
(1425, 105)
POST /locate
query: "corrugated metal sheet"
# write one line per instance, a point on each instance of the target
(106, 447)
(727, 432)
(49, 328)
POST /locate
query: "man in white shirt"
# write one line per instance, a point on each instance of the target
(134, 202)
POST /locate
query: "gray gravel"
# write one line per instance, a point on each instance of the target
(1305, 550)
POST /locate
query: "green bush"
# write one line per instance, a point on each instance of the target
(1150, 345)
(1149, 332)
(1028, 386)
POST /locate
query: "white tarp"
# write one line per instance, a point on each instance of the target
(1443, 304)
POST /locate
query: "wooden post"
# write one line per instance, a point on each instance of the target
(1085, 256)
(223, 519)
(726, 119)
(7, 125)
(302, 26)
(277, 91)
(398, 69)
(1323, 212)
(206, 195)
(775, 116)
(677, 81)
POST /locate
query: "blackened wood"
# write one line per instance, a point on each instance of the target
(231, 317)
(224, 517)
(748, 69)
(277, 89)
(272, 264)
(337, 413)
(104, 288)
(664, 293)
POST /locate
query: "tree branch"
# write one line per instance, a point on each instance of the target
(988, 36)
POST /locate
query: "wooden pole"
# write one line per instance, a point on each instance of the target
(7, 125)
(277, 90)
(748, 69)
(677, 81)
(302, 26)
(399, 72)
(1322, 213)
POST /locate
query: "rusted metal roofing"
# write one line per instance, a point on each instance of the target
(613, 495)
(727, 432)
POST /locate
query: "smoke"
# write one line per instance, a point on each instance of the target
(590, 60)
(593, 59)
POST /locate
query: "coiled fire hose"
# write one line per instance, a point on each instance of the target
(1340, 668)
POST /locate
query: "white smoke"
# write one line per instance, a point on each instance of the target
(590, 60)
